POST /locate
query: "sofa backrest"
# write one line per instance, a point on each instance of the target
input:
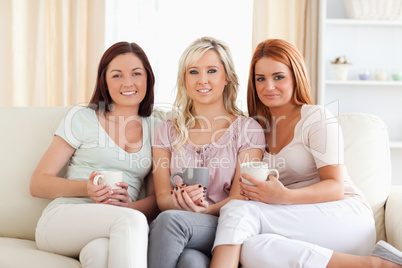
(26, 133)
(367, 159)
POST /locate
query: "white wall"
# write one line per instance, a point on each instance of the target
(165, 28)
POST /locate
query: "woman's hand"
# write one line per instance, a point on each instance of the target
(98, 193)
(271, 191)
(103, 194)
(119, 197)
(190, 198)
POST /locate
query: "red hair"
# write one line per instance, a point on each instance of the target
(284, 52)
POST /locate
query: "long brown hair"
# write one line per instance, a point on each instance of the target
(101, 99)
(284, 52)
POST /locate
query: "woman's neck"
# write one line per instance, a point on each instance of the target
(286, 111)
(124, 112)
(212, 116)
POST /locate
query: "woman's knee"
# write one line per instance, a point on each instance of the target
(131, 219)
(169, 220)
(95, 253)
(256, 250)
(193, 258)
(236, 206)
(138, 220)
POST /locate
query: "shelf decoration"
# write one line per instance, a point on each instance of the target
(340, 67)
(397, 75)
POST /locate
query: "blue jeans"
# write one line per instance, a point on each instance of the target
(181, 239)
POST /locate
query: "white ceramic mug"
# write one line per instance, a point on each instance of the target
(111, 178)
(258, 170)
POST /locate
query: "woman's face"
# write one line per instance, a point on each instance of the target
(126, 79)
(274, 82)
(206, 79)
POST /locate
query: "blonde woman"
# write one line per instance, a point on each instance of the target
(207, 131)
(313, 215)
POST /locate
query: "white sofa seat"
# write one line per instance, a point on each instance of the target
(28, 131)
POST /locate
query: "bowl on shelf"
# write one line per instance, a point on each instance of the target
(397, 76)
(364, 74)
(381, 75)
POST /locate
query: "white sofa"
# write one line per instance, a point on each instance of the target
(26, 133)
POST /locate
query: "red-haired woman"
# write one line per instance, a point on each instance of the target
(101, 227)
(313, 215)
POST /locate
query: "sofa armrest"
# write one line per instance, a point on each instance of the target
(393, 217)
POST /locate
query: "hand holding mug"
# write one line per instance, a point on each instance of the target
(119, 196)
(98, 193)
(190, 198)
(108, 180)
(257, 170)
(263, 187)
(194, 183)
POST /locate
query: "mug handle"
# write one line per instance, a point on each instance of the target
(276, 171)
(96, 179)
(172, 176)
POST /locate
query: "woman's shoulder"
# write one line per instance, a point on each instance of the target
(312, 114)
(165, 126)
(79, 111)
(310, 109)
(248, 122)
(166, 123)
(79, 116)
(152, 121)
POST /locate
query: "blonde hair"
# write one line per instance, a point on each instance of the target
(284, 52)
(184, 116)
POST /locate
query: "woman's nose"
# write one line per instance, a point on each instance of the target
(270, 85)
(128, 81)
(203, 78)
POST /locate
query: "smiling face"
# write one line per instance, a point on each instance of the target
(206, 79)
(126, 80)
(274, 83)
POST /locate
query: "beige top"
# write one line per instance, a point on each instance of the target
(317, 142)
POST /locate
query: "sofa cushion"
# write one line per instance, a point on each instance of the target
(367, 159)
(26, 134)
(24, 253)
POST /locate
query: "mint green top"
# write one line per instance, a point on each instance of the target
(96, 151)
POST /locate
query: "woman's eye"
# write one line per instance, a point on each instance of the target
(136, 74)
(260, 79)
(116, 76)
(279, 77)
(193, 72)
(212, 71)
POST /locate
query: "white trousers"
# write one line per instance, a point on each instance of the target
(100, 235)
(302, 235)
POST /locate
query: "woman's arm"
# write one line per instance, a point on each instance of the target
(44, 180)
(46, 184)
(161, 174)
(244, 156)
(169, 198)
(329, 188)
(148, 205)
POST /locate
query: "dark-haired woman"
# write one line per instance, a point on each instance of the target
(101, 227)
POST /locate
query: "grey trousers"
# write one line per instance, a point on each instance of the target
(181, 239)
